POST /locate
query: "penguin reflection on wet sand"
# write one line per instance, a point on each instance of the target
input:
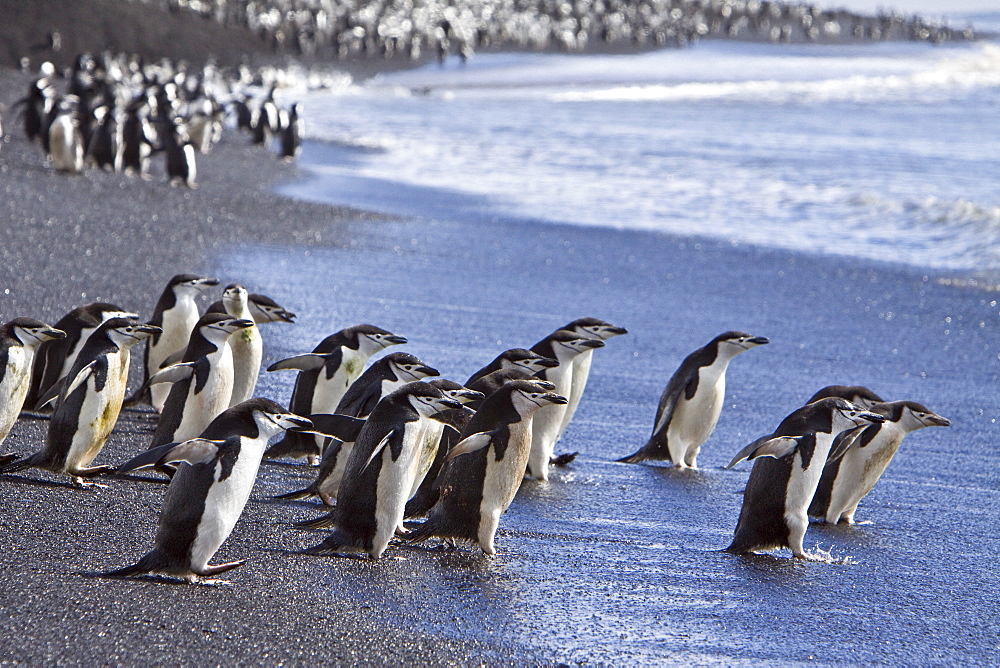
(848, 479)
(19, 339)
(483, 471)
(787, 472)
(691, 404)
(324, 376)
(208, 493)
(380, 472)
(90, 400)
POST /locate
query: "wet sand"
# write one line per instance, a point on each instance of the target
(606, 563)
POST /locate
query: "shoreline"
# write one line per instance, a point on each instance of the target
(609, 562)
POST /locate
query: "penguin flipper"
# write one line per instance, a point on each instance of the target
(50, 395)
(843, 442)
(194, 451)
(470, 444)
(173, 359)
(306, 362)
(766, 446)
(378, 448)
(342, 427)
(172, 373)
(297, 494)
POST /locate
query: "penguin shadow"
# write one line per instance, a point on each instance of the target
(154, 579)
(54, 484)
(138, 478)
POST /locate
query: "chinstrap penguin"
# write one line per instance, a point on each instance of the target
(19, 340)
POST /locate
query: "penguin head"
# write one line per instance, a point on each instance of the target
(847, 415)
(526, 360)
(126, 333)
(910, 415)
(31, 332)
(593, 328)
(426, 399)
(733, 343)
(567, 345)
(270, 417)
(236, 299)
(191, 284)
(217, 327)
(456, 391)
(408, 368)
(856, 394)
(371, 339)
(264, 309)
(528, 396)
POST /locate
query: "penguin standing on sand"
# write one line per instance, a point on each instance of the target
(54, 359)
(380, 472)
(563, 347)
(89, 402)
(516, 358)
(19, 339)
(848, 479)
(381, 379)
(784, 478)
(176, 313)
(484, 470)
(247, 344)
(692, 401)
(588, 328)
(207, 495)
(65, 140)
(181, 165)
(202, 383)
(324, 376)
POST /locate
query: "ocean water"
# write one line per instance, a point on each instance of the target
(678, 194)
(884, 151)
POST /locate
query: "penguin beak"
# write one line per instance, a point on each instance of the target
(869, 417)
(296, 423)
(933, 420)
(51, 334)
(428, 371)
(451, 403)
(207, 283)
(592, 343)
(553, 398)
(465, 396)
(615, 331)
(758, 341)
(147, 330)
(242, 324)
(394, 340)
(545, 362)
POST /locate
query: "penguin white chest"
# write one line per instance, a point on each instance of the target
(395, 479)
(98, 413)
(13, 388)
(329, 391)
(501, 481)
(225, 502)
(247, 350)
(694, 419)
(802, 482)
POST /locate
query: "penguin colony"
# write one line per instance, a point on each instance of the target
(396, 442)
(117, 113)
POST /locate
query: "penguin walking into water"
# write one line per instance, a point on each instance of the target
(176, 313)
(54, 359)
(207, 495)
(848, 479)
(90, 399)
(19, 340)
(247, 345)
(291, 134)
(202, 383)
(324, 376)
(516, 358)
(692, 401)
(563, 347)
(380, 472)
(484, 470)
(381, 379)
(786, 474)
(588, 328)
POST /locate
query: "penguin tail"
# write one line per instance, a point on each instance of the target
(296, 495)
(635, 457)
(653, 449)
(209, 571)
(328, 548)
(563, 459)
(322, 522)
(422, 532)
(153, 561)
(11, 464)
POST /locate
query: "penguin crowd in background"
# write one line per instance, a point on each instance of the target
(117, 112)
(394, 442)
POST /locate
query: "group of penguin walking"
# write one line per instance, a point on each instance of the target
(118, 112)
(394, 441)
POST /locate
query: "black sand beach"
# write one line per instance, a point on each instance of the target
(608, 563)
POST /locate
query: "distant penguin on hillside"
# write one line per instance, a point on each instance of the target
(564, 347)
(176, 313)
(206, 497)
(90, 399)
(380, 471)
(291, 134)
(19, 339)
(784, 478)
(54, 359)
(589, 328)
(483, 471)
(848, 479)
(65, 140)
(324, 376)
(692, 401)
